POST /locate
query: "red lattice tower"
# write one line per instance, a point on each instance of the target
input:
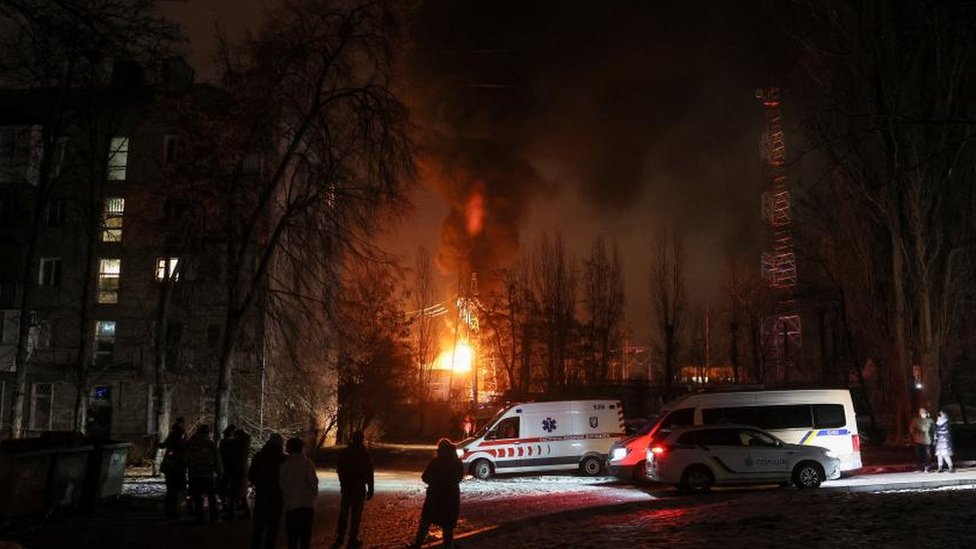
(778, 258)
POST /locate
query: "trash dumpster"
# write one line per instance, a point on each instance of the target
(23, 481)
(106, 466)
(66, 482)
(42, 475)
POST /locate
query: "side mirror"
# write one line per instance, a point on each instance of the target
(491, 435)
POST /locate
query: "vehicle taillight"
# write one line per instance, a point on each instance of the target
(856, 442)
(659, 449)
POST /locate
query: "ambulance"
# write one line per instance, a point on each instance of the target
(545, 436)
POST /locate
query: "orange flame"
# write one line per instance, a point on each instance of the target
(474, 212)
(459, 359)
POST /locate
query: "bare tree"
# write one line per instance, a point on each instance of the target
(555, 280)
(508, 327)
(375, 367)
(62, 48)
(668, 300)
(425, 327)
(893, 119)
(309, 133)
(603, 287)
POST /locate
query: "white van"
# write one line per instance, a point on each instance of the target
(816, 417)
(545, 436)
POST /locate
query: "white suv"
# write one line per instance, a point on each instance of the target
(699, 457)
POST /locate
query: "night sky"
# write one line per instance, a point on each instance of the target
(610, 117)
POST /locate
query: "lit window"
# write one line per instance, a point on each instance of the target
(109, 271)
(104, 342)
(166, 268)
(112, 219)
(118, 158)
(49, 273)
(42, 400)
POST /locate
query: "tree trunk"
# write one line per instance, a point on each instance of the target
(899, 370)
(225, 372)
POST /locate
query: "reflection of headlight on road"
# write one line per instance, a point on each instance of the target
(618, 453)
(460, 452)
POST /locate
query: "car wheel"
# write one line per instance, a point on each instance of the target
(808, 474)
(481, 469)
(697, 478)
(590, 466)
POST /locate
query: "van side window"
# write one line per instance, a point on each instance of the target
(795, 416)
(787, 417)
(719, 437)
(745, 415)
(506, 428)
(678, 418)
(828, 416)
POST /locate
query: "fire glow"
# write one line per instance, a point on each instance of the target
(459, 359)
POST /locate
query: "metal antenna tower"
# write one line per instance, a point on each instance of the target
(778, 258)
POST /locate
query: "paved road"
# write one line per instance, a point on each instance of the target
(552, 511)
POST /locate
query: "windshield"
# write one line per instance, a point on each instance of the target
(491, 422)
(646, 427)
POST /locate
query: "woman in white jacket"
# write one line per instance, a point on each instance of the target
(299, 488)
(942, 434)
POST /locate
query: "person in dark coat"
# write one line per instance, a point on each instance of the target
(355, 470)
(234, 451)
(442, 506)
(173, 468)
(263, 476)
(203, 466)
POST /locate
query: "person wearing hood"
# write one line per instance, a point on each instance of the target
(203, 465)
(442, 506)
(355, 470)
(263, 476)
(299, 488)
(173, 468)
(943, 442)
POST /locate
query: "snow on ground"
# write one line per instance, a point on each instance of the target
(760, 518)
(568, 510)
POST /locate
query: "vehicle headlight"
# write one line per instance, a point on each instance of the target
(618, 453)
(460, 452)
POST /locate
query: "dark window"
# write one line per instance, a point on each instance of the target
(55, 213)
(796, 416)
(828, 416)
(745, 415)
(688, 438)
(50, 272)
(8, 294)
(757, 439)
(9, 211)
(678, 418)
(786, 417)
(719, 437)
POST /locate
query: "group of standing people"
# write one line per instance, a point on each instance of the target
(932, 437)
(283, 478)
(197, 466)
(285, 483)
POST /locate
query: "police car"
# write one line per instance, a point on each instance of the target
(697, 458)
